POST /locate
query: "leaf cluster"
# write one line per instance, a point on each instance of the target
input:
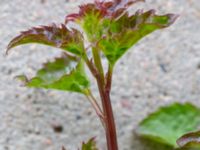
(107, 28)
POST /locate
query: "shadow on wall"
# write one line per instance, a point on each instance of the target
(149, 145)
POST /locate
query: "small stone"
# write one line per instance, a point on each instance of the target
(78, 117)
(58, 128)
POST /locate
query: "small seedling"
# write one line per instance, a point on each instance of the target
(105, 28)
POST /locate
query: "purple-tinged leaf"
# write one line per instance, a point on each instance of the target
(90, 145)
(109, 24)
(59, 37)
(64, 73)
(93, 16)
(127, 30)
(190, 140)
(104, 9)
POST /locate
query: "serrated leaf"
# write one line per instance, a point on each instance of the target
(90, 145)
(65, 73)
(127, 30)
(168, 123)
(110, 25)
(190, 140)
(93, 16)
(104, 9)
(59, 37)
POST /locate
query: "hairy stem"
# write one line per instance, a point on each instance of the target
(97, 108)
(104, 90)
(97, 61)
(111, 134)
(104, 86)
(109, 79)
(90, 65)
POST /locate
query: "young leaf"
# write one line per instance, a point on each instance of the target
(90, 145)
(93, 16)
(60, 37)
(65, 73)
(169, 123)
(101, 9)
(127, 30)
(110, 26)
(190, 140)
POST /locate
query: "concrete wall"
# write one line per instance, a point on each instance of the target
(162, 68)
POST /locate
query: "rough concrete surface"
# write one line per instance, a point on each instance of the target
(162, 68)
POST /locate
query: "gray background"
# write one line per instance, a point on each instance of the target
(163, 68)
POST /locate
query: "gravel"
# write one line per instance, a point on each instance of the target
(163, 68)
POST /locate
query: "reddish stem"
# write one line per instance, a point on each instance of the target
(111, 134)
(104, 86)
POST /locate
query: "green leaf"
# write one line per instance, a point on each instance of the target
(109, 26)
(59, 37)
(168, 123)
(65, 73)
(90, 145)
(190, 140)
(126, 31)
(95, 17)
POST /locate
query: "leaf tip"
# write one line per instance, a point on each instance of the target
(173, 17)
(71, 17)
(191, 139)
(22, 78)
(91, 144)
(8, 48)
